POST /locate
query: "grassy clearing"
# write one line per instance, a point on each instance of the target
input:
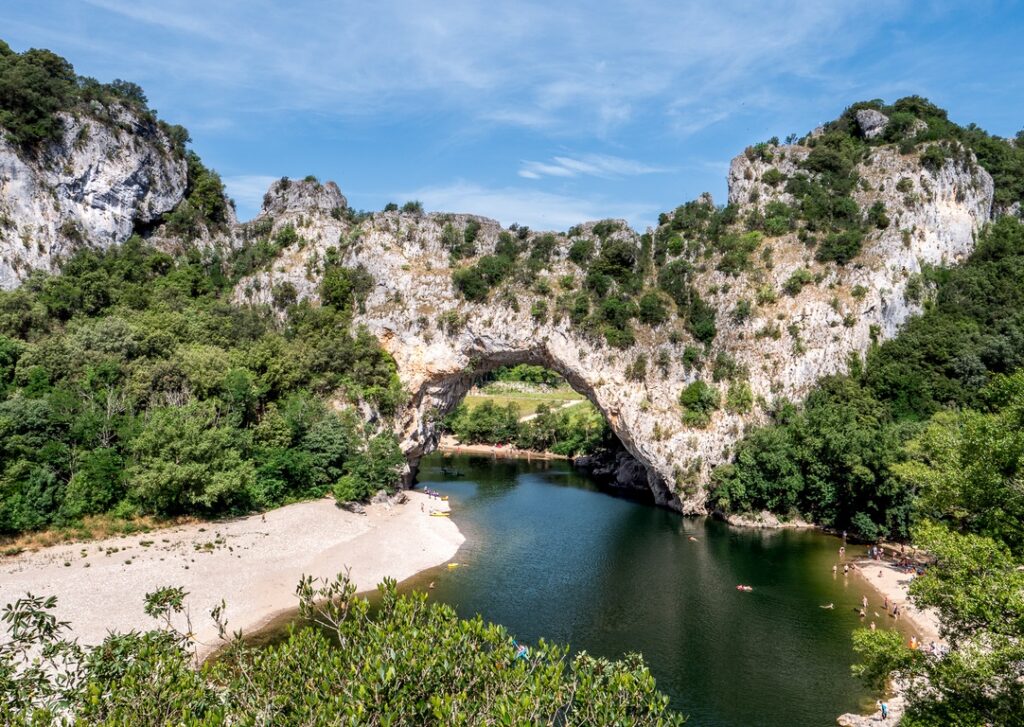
(526, 399)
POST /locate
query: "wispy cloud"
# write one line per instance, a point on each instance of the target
(539, 210)
(591, 165)
(571, 68)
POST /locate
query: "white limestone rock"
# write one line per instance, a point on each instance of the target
(111, 172)
(872, 122)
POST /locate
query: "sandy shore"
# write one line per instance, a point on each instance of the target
(891, 583)
(252, 563)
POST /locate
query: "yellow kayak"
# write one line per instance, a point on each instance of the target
(453, 565)
(439, 514)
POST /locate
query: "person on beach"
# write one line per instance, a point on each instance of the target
(872, 625)
(862, 614)
(864, 602)
(884, 706)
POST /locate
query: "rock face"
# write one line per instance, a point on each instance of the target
(616, 471)
(110, 173)
(441, 342)
(871, 122)
(305, 197)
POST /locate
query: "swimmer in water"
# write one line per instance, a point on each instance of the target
(831, 605)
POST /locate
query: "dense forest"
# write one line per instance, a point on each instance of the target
(131, 385)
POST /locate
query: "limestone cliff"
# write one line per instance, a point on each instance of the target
(111, 172)
(784, 341)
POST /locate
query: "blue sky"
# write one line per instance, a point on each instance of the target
(545, 113)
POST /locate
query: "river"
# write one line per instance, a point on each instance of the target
(547, 555)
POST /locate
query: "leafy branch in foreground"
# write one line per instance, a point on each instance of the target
(405, 662)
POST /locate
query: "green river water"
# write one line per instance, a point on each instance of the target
(547, 555)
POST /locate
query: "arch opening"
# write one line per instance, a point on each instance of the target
(614, 463)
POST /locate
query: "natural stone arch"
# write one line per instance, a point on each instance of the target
(785, 345)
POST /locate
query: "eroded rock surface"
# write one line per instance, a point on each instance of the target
(109, 174)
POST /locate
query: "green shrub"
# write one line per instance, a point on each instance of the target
(877, 215)
(404, 661)
(773, 177)
(637, 370)
(698, 400)
(797, 280)
(740, 398)
(840, 247)
(651, 309)
(581, 251)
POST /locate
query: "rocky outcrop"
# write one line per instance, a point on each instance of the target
(783, 344)
(110, 173)
(307, 197)
(872, 122)
(897, 706)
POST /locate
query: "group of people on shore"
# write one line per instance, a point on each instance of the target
(892, 609)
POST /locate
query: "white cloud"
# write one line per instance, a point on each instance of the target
(591, 165)
(572, 67)
(539, 210)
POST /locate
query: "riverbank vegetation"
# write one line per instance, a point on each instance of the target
(568, 431)
(532, 408)
(131, 385)
(454, 672)
(965, 468)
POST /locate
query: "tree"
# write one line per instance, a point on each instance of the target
(185, 460)
(967, 466)
(377, 467)
(34, 86)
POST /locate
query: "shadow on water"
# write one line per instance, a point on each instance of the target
(549, 556)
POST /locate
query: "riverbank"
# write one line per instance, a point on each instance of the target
(450, 445)
(252, 563)
(892, 585)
